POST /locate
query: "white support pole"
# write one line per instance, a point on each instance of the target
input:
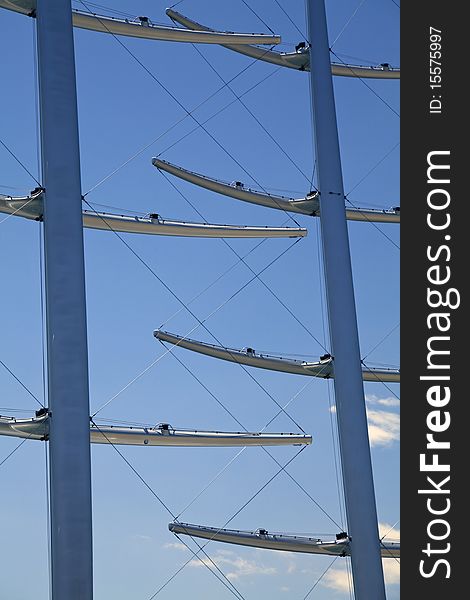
(356, 463)
(67, 362)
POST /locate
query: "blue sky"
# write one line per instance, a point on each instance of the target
(121, 110)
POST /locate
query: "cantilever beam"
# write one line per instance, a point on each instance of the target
(309, 205)
(142, 27)
(31, 207)
(323, 368)
(163, 434)
(279, 541)
(299, 60)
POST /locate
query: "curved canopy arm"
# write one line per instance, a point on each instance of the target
(309, 205)
(323, 368)
(306, 206)
(261, 538)
(31, 207)
(163, 434)
(298, 60)
(142, 27)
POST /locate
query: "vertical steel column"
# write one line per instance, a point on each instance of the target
(358, 481)
(67, 362)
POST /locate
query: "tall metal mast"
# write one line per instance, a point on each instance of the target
(67, 357)
(358, 481)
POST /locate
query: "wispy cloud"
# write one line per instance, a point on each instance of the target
(390, 401)
(238, 566)
(391, 571)
(389, 531)
(291, 567)
(384, 425)
(175, 546)
(141, 538)
(339, 580)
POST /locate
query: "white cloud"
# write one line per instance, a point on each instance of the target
(390, 401)
(384, 425)
(388, 531)
(391, 571)
(291, 567)
(240, 567)
(224, 552)
(175, 546)
(141, 538)
(284, 588)
(339, 579)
